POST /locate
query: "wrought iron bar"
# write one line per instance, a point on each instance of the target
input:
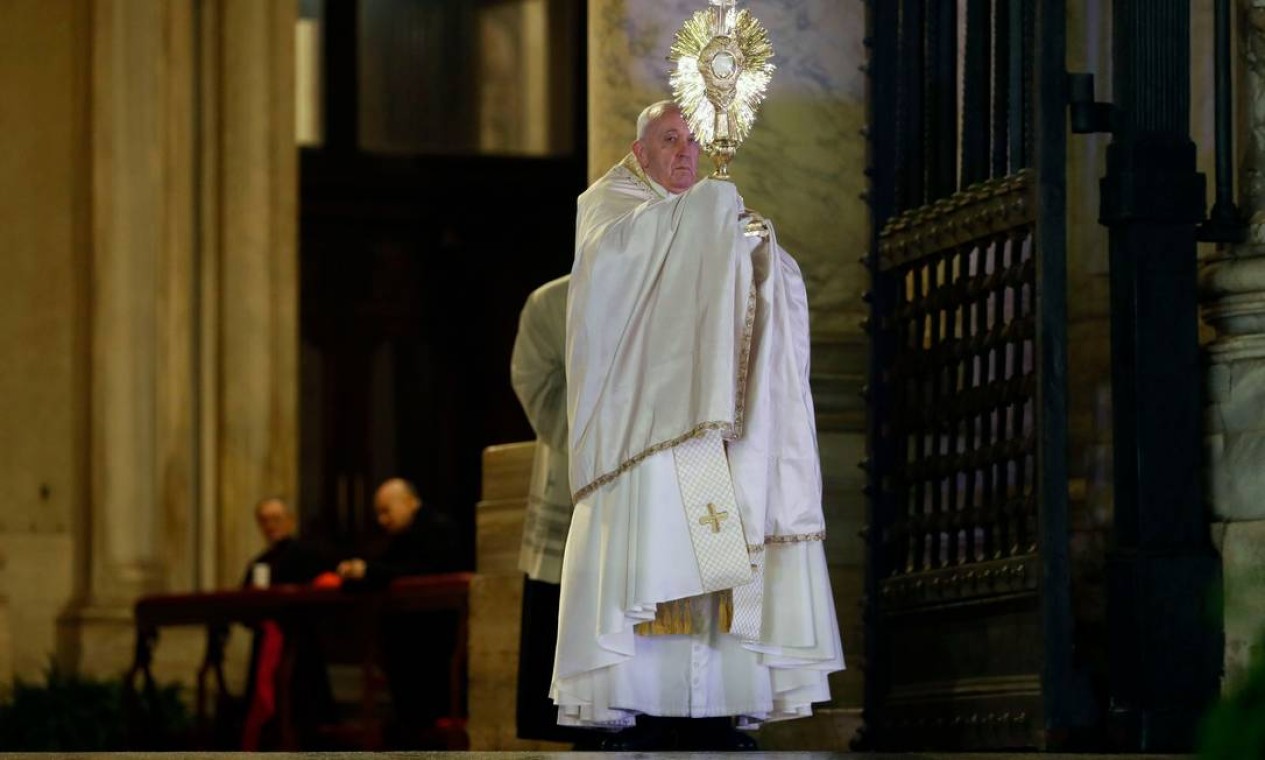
(1017, 101)
(974, 418)
(1001, 86)
(921, 390)
(911, 188)
(884, 144)
(976, 84)
(1225, 223)
(1062, 723)
(954, 429)
(1028, 25)
(942, 99)
(933, 430)
(1011, 426)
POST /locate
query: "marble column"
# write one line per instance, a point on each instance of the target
(250, 268)
(1232, 283)
(141, 225)
(191, 305)
(803, 168)
(43, 367)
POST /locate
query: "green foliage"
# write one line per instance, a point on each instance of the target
(73, 713)
(1235, 727)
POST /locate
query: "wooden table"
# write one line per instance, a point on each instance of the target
(292, 607)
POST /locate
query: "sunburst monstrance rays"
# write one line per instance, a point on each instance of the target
(722, 72)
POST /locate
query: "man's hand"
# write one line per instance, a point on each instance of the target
(753, 224)
(352, 569)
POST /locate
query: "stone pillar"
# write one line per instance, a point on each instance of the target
(141, 207)
(250, 265)
(191, 311)
(802, 168)
(496, 602)
(1233, 291)
(43, 368)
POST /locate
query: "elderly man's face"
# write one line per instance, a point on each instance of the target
(669, 153)
(275, 521)
(394, 508)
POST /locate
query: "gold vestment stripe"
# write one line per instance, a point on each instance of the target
(684, 616)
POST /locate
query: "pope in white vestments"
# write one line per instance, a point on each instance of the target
(694, 580)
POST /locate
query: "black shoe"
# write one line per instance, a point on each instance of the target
(589, 744)
(740, 742)
(714, 735)
(646, 736)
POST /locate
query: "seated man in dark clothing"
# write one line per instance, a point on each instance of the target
(286, 560)
(420, 541)
(416, 646)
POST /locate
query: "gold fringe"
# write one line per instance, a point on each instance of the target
(670, 618)
(725, 609)
(685, 616)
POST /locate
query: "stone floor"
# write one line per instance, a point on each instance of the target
(581, 756)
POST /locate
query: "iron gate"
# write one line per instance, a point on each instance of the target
(968, 622)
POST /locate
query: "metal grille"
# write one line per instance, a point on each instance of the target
(963, 390)
(960, 532)
(966, 616)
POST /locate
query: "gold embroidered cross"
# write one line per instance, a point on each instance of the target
(713, 518)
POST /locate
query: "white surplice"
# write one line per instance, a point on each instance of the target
(538, 374)
(682, 330)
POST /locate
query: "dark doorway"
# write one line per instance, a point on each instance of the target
(446, 147)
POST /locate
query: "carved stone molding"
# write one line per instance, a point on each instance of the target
(1234, 300)
(1252, 45)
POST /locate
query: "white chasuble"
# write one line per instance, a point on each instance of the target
(694, 465)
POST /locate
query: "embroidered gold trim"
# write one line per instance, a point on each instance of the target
(796, 538)
(630, 163)
(725, 428)
(744, 360)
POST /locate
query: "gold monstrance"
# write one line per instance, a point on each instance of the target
(722, 71)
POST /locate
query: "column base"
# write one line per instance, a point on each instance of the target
(96, 640)
(1166, 647)
(1242, 548)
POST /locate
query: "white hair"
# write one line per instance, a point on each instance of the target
(653, 112)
